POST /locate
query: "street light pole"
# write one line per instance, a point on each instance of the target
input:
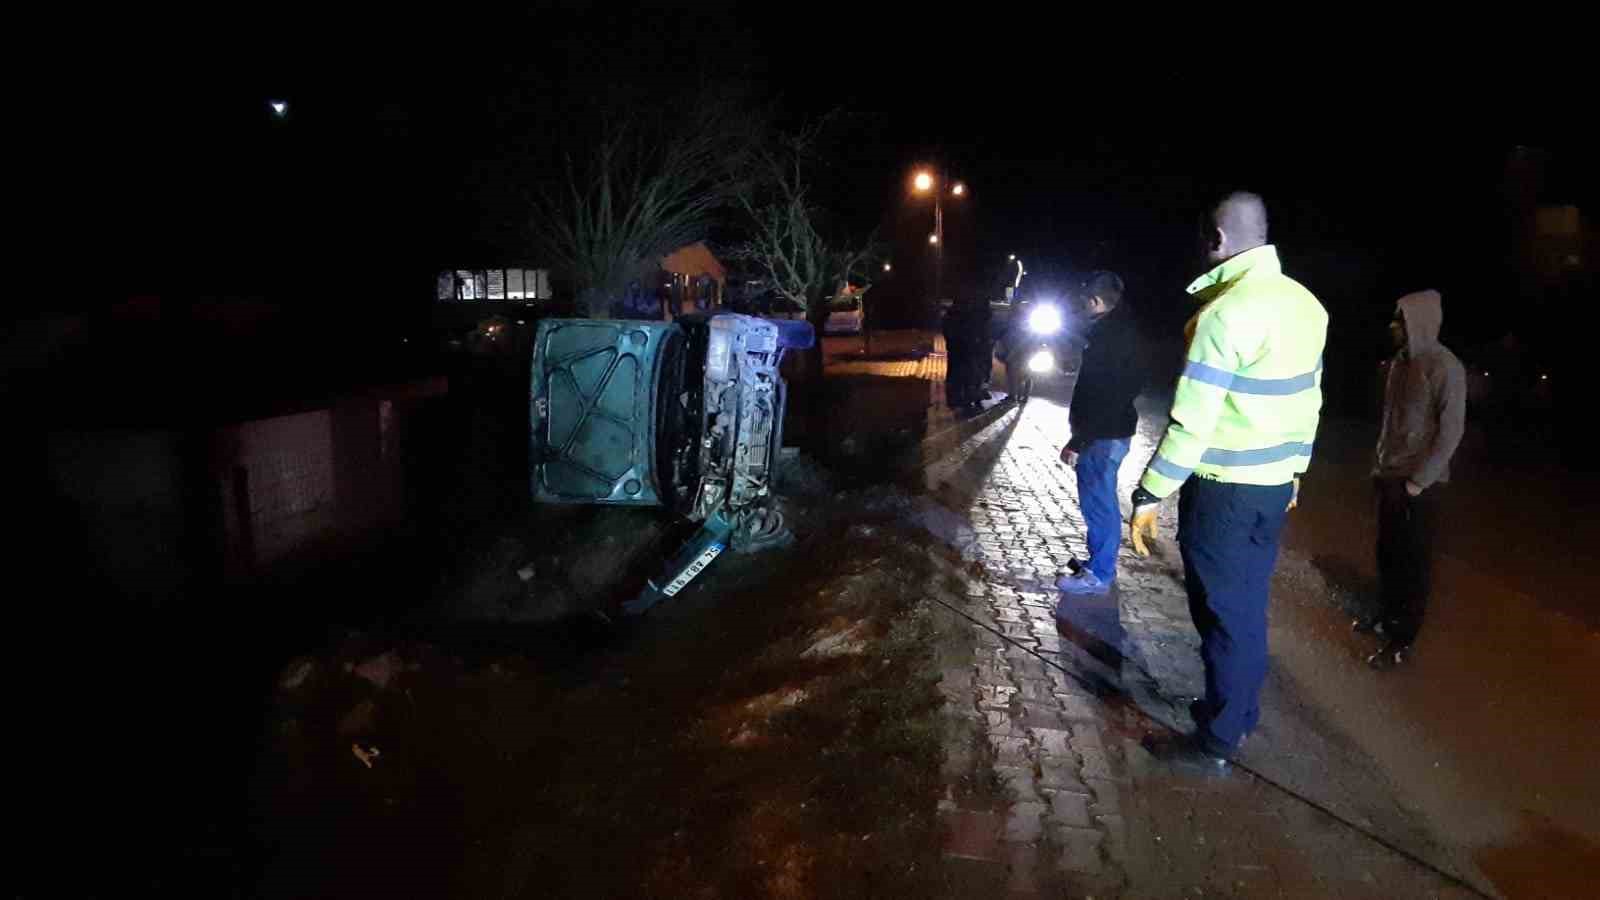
(926, 181)
(938, 241)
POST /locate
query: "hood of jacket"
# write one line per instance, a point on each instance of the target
(1424, 314)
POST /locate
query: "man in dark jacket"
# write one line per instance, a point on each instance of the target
(1424, 415)
(1012, 346)
(980, 362)
(954, 327)
(968, 346)
(1102, 419)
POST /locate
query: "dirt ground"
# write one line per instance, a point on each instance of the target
(1491, 734)
(1481, 751)
(776, 730)
(772, 732)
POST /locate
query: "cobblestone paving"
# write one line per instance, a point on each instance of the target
(1048, 789)
(926, 360)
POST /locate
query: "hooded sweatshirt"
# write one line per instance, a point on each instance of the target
(1425, 400)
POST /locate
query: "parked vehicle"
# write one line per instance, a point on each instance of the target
(846, 315)
(782, 308)
(686, 415)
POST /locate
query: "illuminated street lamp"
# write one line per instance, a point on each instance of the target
(1016, 283)
(887, 267)
(925, 182)
(280, 108)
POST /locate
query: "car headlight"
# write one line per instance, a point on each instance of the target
(1044, 319)
(1041, 361)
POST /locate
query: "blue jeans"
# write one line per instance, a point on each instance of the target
(1228, 535)
(1098, 462)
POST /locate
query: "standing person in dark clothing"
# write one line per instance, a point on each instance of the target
(1102, 420)
(954, 329)
(1013, 349)
(981, 362)
(1424, 415)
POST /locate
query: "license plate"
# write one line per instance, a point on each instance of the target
(695, 568)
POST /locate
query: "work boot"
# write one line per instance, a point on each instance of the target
(1393, 655)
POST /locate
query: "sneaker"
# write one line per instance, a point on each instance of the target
(1083, 584)
(1392, 655)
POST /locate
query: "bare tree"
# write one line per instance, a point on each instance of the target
(791, 249)
(650, 185)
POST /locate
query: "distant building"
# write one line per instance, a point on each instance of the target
(689, 279)
(493, 284)
(1556, 244)
(693, 279)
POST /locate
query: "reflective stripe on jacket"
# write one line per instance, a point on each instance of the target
(1248, 400)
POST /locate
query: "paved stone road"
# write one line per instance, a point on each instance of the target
(909, 353)
(929, 368)
(1048, 791)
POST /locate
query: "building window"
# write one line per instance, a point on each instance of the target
(470, 285)
(494, 284)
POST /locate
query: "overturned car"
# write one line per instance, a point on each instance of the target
(686, 415)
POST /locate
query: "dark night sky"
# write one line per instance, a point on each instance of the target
(1084, 144)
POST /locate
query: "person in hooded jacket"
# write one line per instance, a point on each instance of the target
(1424, 415)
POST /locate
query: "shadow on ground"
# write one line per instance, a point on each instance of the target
(1355, 589)
(1547, 861)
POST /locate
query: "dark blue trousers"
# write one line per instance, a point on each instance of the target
(1098, 462)
(1228, 534)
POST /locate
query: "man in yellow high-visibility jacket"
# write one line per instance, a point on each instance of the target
(1243, 421)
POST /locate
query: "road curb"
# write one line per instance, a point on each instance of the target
(938, 443)
(961, 429)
